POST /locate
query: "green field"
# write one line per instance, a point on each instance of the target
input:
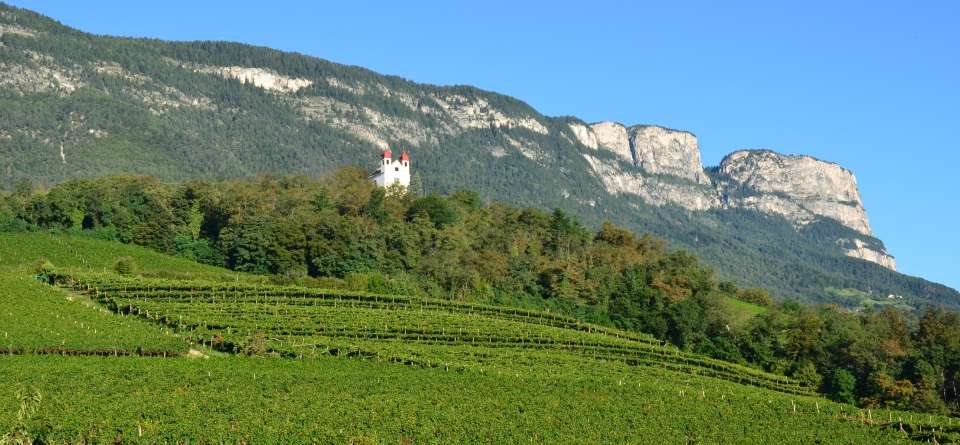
(330, 400)
(300, 322)
(285, 364)
(37, 318)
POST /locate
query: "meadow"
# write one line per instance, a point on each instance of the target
(247, 362)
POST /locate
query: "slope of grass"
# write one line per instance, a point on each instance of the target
(296, 321)
(35, 317)
(521, 390)
(743, 311)
(329, 400)
(71, 250)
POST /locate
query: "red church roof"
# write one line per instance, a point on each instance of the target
(405, 156)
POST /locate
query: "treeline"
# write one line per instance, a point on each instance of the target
(340, 231)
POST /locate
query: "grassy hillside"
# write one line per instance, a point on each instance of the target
(38, 318)
(342, 367)
(298, 322)
(339, 400)
(18, 250)
(78, 105)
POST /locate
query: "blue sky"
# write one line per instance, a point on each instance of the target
(874, 86)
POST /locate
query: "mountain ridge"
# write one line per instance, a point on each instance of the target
(82, 105)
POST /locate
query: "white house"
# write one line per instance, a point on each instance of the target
(392, 172)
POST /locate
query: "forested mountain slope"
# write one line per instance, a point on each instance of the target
(78, 105)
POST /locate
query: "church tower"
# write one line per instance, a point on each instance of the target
(392, 171)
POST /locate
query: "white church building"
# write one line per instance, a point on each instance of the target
(392, 172)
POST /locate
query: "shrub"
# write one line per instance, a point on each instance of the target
(125, 266)
(840, 386)
(10, 224)
(756, 296)
(43, 267)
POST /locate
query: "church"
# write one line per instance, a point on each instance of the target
(392, 172)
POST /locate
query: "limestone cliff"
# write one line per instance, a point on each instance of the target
(656, 150)
(660, 150)
(656, 190)
(802, 189)
(613, 137)
(663, 167)
(666, 166)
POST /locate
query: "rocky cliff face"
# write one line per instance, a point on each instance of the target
(613, 137)
(859, 249)
(655, 150)
(663, 151)
(667, 170)
(656, 190)
(666, 164)
(800, 188)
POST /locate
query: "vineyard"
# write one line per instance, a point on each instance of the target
(48, 323)
(348, 401)
(118, 359)
(299, 322)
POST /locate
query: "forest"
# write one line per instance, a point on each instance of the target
(340, 232)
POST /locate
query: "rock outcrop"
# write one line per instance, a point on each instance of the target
(612, 136)
(259, 77)
(667, 170)
(664, 151)
(666, 166)
(655, 150)
(654, 190)
(864, 251)
(800, 188)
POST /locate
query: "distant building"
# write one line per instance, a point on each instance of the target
(392, 172)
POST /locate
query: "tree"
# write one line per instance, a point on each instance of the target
(635, 305)
(840, 386)
(415, 189)
(439, 211)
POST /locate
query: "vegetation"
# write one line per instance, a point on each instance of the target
(48, 322)
(364, 388)
(125, 266)
(339, 400)
(298, 322)
(340, 232)
(141, 106)
(553, 326)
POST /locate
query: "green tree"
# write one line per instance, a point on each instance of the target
(840, 386)
(415, 189)
(438, 209)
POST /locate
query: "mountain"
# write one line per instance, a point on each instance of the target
(74, 104)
